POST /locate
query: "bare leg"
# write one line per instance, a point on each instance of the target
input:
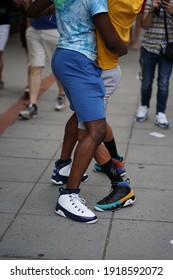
(102, 156)
(60, 88)
(73, 134)
(70, 138)
(85, 150)
(35, 83)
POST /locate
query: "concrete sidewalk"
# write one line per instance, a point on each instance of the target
(29, 228)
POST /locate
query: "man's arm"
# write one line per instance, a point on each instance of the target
(101, 21)
(109, 35)
(147, 16)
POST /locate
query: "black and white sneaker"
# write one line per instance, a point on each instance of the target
(161, 120)
(29, 112)
(142, 113)
(70, 205)
(60, 103)
(61, 173)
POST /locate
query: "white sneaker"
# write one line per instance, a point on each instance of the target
(29, 111)
(161, 120)
(60, 103)
(72, 206)
(61, 173)
(142, 114)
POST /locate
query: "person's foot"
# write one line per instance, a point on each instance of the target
(29, 112)
(119, 163)
(70, 205)
(161, 120)
(61, 173)
(142, 114)
(121, 195)
(60, 103)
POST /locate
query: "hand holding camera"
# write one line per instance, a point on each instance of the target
(167, 6)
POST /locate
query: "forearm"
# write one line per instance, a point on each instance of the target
(146, 19)
(109, 35)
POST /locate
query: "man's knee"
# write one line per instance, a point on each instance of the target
(97, 129)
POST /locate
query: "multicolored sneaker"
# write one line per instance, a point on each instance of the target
(121, 195)
(119, 163)
(70, 205)
(61, 173)
(29, 112)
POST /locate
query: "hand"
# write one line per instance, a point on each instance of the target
(156, 4)
(168, 6)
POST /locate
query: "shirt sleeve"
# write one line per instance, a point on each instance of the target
(97, 7)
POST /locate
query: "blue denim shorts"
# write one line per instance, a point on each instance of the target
(82, 83)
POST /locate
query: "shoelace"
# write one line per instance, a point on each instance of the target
(78, 202)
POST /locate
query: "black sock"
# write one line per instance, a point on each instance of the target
(65, 161)
(111, 171)
(73, 190)
(111, 146)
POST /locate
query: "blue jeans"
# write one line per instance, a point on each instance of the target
(149, 61)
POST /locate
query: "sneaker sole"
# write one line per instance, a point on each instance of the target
(60, 183)
(27, 117)
(162, 126)
(59, 109)
(61, 213)
(141, 119)
(118, 205)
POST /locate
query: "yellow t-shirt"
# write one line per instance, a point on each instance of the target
(122, 14)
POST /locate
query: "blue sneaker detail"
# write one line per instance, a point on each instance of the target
(61, 173)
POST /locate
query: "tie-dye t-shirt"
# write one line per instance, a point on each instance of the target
(75, 25)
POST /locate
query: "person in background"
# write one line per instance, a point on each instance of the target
(24, 23)
(5, 11)
(42, 38)
(153, 54)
